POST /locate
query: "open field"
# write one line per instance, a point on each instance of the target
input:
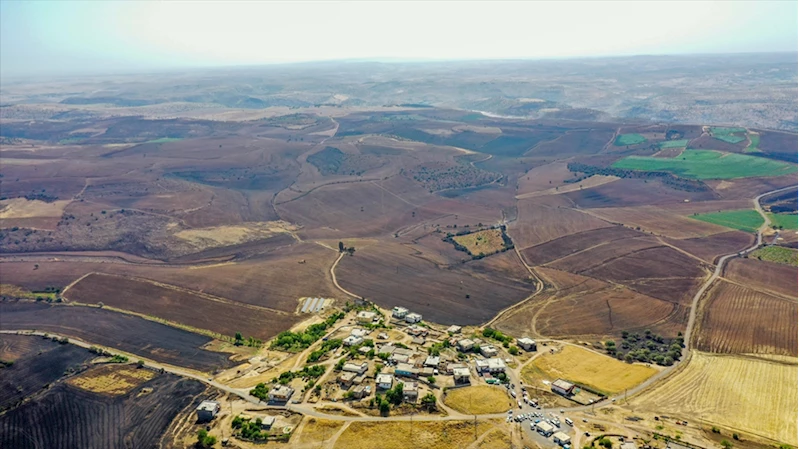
(176, 305)
(496, 439)
(777, 254)
(754, 143)
(784, 221)
(629, 139)
(478, 400)
(705, 164)
(394, 275)
(66, 416)
(636, 192)
(37, 362)
(128, 333)
(711, 247)
(588, 183)
(398, 435)
(484, 242)
(659, 221)
(747, 220)
(22, 208)
(733, 392)
(773, 278)
(547, 218)
(112, 380)
(565, 246)
(682, 143)
(581, 366)
(741, 320)
(315, 430)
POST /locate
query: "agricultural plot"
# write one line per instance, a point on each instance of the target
(113, 380)
(747, 220)
(773, 278)
(635, 192)
(658, 220)
(41, 364)
(565, 246)
(177, 305)
(66, 416)
(729, 135)
(547, 218)
(477, 400)
(629, 139)
(711, 247)
(584, 367)
(705, 164)
(754, 143)
(777, 254)
(573, 143)
(741, 320)
(784, 221)
(127, 333)
(731, 391)
(398, 435)
(682, 143)
(393, 275)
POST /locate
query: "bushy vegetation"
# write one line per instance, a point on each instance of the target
(646, 348)
(708, 164)
(297, 341)
(436, 349)
(252, 342)
(250, 429)
(439, 176)
(332, 161)
(776, 254)
(497, 335)
(326, 347)
(204, 440)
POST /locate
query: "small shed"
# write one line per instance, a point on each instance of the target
(207, 410)
(561, 438)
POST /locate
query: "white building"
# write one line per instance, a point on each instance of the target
(384, 381)
(399, 312)
(280, 393)
(489, 351)
(410, 392)
(526, 343)
(358, 332)
(365, 316)
(544, 428)
(207, 410)
(562, 387)
(493, 365)
(461, 375)
(561, 438)
(466, 345)
(352, 340)
(355, 368)
(454, 329)
(413, 318)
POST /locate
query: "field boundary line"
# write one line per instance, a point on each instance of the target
(64, 291)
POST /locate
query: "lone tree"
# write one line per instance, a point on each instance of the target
(341, 247)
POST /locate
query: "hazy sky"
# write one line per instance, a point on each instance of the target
(63, 36)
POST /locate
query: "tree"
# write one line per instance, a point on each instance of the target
(204, 440)
(239, 339)
(431, 379)
(429, 401)
(140, 364)
(513, 350)
(341, 247)
(736, 437)
(726, 444)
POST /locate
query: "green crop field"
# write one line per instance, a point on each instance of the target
(708, 164)
(743, 220)
(729, 138)
(787, 221)
(674, 143)
(777, 254)
(754, 143)
(629, 139)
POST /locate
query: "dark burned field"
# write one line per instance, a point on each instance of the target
(37, 362)
(128, 333)
(66, 416)
(180, 306)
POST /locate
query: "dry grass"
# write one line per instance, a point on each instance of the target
(587, 368)
(495, 439)
(112, 380)
(22, 208)
(317, 430)
(232, 235)
(398, 435)
(593, 181)
(478, 400)
(751, 395)
(487, 242)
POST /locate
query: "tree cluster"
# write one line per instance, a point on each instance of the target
(297, 341)
(669, 179)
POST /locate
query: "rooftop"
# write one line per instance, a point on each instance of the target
(560, 383)
(208, 406)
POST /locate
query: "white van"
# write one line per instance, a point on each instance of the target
(569, 422)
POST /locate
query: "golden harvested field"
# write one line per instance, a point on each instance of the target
(755, 396)
(484, 242)
(113, 380)
(316, 430)
(479, 399)
(587, 368)
(22, 208)
(495, 439)
(398, 435)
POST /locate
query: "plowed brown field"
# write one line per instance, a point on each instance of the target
(770, 277)
(741, 320)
